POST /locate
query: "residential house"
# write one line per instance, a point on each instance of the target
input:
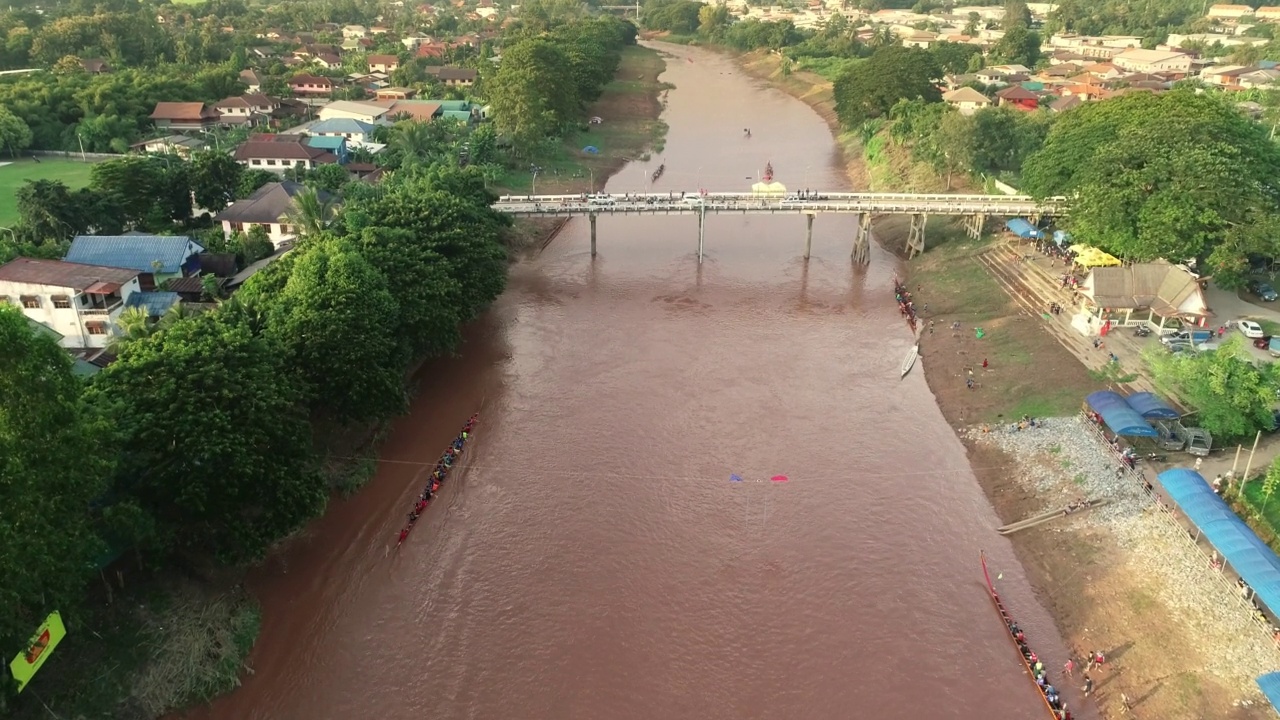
(335, 144)
(383, 63)
(991, 76)
(463, 110)
(251, 79)
(1267, 13)
(307, 85)
(1019, 97)
(1064, 104)
(270, 207)
(1095, 47)
(1067, 56)
(451, 76)
(436, 50)
(1085, 92)
(413, 40)
(920, 39)
(180, 145)
(379, 30)
(328, 61)
(1259, 77)
(1059, 71)
(1153, 61)
(395, 93)
(311, 50)
(263, 53)
(356, 132)
(80, 302)
(1230, 12)
(278, 153)
(1013, 69)
(1157, 290)
(1102, 70)
(184, 116)
(419, 110)
(967, 100)
(155, 257)
(373, 113)
(1227, 76)
(252, 110)
(95, 66)
(354, 31)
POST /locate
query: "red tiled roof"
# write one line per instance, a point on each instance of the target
(305, 79)
(192, 111)
(383, 60)
(280, 147)
(60, 273)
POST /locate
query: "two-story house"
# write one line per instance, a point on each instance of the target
(156, 257)
(307, 85)
(80, 302)
(453, 76)
(269, 207)
(278, 153)
(357, 132)
(252, 110)
(383, 63)
(184, 116)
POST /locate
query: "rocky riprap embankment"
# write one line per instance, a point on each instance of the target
(1065, 460)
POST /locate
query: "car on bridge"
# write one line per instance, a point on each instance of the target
(602, 199)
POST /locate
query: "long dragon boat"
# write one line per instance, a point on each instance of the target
(438, 476)
(1011, 632)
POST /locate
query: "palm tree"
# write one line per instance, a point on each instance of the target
(311, 215)
(134, 324)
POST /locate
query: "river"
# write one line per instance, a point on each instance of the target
(593, 560)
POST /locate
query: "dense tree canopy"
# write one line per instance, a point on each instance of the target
(1233, 397)
(51, 472)
(1175, 175)
(870, 88)
(211, 438)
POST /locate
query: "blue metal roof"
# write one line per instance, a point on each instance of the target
(1118, 415)
(1270, 686)
(134, 252)
(1150, 405)
(1022, 228)
(341, 125)
(155, 303)
(1238, 545)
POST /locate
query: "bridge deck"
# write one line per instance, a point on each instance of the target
(817, 203)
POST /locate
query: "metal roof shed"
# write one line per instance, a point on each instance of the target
(1118, 415)
(1150, 405)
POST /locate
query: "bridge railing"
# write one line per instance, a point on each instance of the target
(815, 200)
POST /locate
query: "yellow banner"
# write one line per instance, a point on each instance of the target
(39, 648)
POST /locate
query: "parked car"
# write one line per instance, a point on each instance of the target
(1263, 342)
(1207, 346)
(1180, 347)
(1187, 336)
(1263, 290)
(1250, 329)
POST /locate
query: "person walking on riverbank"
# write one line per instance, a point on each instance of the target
(1088, 685)
(1068, 666)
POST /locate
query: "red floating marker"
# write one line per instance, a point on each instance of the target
(779, 478)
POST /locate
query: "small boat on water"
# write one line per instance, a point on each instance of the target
(438, 476)
(1015, 635)
(910, 360)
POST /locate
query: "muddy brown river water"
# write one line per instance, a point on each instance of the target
(592, 560)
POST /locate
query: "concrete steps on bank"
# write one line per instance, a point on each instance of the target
(1033, 289)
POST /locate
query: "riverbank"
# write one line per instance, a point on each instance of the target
(630, 127)
(1121, 580)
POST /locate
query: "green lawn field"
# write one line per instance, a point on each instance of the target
(72, 172)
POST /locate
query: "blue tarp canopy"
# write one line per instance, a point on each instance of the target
(1229, 535)
(1270, 686)
(1061, 238)
(1022, 228)
(1150, 405)
(1118, 415)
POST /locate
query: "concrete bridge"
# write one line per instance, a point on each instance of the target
(867, 206)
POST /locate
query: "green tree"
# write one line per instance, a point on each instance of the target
(334, 315)
(254, 245)
(870, 88)
(14, 133)
(1176, 175)
(215, 179)
(953, 57)
(329, 178)
(1019, 46)
(212, 443)
(49, 211)
(714, 18)
(51, 469)
(1016, 15)
(1232, 397)
(252, 180)
(532, 95)
(312, 212)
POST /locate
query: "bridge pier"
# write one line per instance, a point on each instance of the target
(862, 240)
(915, 237)
(974, 224)
(592, 217)
(808, 238)
(702, 229)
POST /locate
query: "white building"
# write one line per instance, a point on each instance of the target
(1230, 12)
(270, 207)
(967, 100)
(1153, 61)
(353, 110)
(79, 302)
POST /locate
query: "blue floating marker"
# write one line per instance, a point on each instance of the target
(735, 478)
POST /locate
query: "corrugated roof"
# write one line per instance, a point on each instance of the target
(966, 94)
(60, 273)
(1119, 416)
(341, 125)
(267, 205)
(155, 303)
(136, 252)
(278, 147)
(193, 111)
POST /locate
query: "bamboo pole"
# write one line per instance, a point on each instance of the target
(1249, 464)
(1237, 460)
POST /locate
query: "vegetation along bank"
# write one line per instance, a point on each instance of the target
(223, 425)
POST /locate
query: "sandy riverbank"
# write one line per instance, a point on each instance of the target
(1122, 580)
